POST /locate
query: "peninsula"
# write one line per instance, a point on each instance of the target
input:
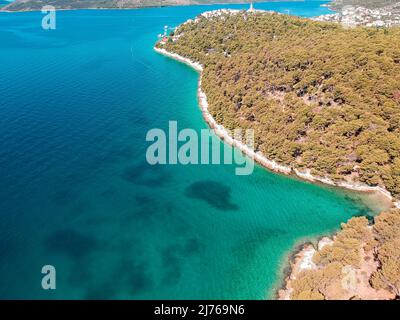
(322, 100)
(299, 85)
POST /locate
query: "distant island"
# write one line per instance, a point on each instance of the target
(324, 103)
(370, 4)
(35, 5)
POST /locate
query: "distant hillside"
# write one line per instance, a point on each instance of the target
(337, 4)
(31, 5)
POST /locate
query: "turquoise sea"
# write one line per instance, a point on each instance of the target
(76, 192)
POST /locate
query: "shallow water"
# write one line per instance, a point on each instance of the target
(76, 192)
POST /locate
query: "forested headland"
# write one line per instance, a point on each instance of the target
(318, 95)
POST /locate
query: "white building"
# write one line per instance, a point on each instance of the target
(251, 7)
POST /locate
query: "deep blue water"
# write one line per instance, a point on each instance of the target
(76, 192)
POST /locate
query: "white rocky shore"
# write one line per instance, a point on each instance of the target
(340, 288)
(303, 260)
(221, 132)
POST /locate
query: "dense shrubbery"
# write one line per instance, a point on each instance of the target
(387, 231)
(347, 247)
(355, 238)
(331, 259)
(318, 95)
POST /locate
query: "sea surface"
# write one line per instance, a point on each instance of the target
(77, 193)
